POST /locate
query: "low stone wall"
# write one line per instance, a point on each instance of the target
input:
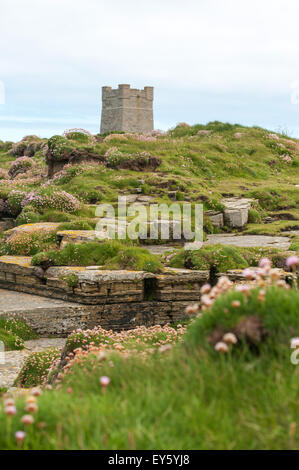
(91, 285)
(113, 299)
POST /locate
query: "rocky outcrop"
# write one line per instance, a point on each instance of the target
(236, 211)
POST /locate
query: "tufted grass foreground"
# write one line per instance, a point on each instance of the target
(179, 401)
(187, 397)
(13, 333)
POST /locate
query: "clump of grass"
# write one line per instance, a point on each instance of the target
(71, 279)
(36, 368)
(13, 333)
(111, 254)
(254, 217)
(220, 257)
(77, 225)
(10, 340)
(55, 216)
(276, 308)
(295, 244)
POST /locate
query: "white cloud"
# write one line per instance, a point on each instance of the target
(63, 51)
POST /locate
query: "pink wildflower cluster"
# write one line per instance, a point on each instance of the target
(168, 257)
(41, 362)
(112, 151)
(80, 131)
(101, 342)
(229, 339)
(286, 158)
(273, 136)
(58, 200)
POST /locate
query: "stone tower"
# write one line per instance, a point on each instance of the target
(127, 109)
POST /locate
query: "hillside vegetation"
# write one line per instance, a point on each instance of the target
(196, 164)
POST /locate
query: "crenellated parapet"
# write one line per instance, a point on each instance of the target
(127, 109)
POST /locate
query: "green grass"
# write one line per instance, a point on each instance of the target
(278, 313)
(13, 333)
(187, 398)
(232, 160)
(221, 258)
(111, 254)
(184, 399)
(295, 244)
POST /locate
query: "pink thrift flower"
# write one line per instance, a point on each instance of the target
(10, 410)
(27, 419)
(221, 347)
(265, 263)
(230, 338)
(20, 436)
(104, 380)
(292, 261)
(205, 289)
(248, 273)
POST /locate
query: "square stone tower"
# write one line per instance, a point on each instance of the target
(127, 109)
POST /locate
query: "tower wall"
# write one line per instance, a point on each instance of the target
(127, 109)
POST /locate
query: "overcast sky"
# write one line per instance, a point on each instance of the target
(226, 60)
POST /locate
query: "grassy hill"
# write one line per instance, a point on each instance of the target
(202, 163)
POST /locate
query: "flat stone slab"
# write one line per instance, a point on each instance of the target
(161, 249)
(47, 316)
(248, 241)
(97, 275)
(19, 302)
(80, 236)
(237, 203)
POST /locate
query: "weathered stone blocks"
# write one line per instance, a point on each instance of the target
(113, 299)
(127, 109)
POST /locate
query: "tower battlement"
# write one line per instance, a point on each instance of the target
(127, 109)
